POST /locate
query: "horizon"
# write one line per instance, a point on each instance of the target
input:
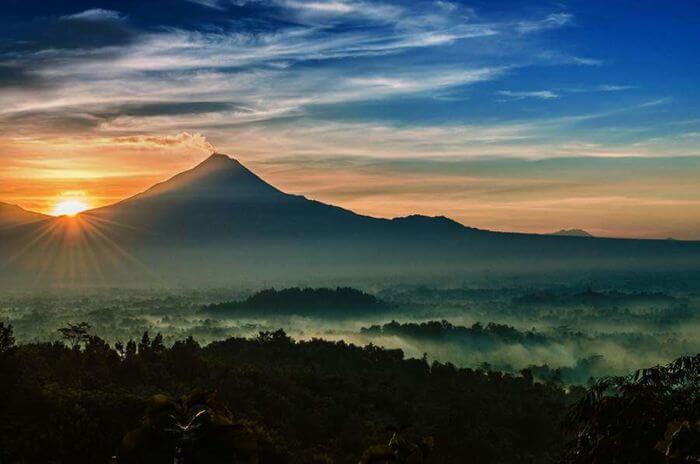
(72, 208)
(517, 116)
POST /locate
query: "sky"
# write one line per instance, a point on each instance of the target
(528, 116)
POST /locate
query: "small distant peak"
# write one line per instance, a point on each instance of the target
(573, 233)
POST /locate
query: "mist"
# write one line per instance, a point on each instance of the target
(568, 333)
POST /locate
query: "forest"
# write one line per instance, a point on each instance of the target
(515, 372)
(572, 332)
(84, 400)
(309, 401)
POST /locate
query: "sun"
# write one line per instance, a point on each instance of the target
(69, 208)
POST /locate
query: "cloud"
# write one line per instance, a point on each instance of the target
(557, 93)
(95, 15)
(598, 88)
(586, 61)
(330, 7)
(222, 77)
(269, 72)
(169, 108)
(552, 21)
(182, 139)
(50, 39)
(519, 95)
(18, 77)
(214, 4)
(373, 10)
(614, 88)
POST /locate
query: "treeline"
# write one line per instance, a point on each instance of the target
(590, 297)
(559, 355)
(307, 401)
(446, 331)
(326, 302)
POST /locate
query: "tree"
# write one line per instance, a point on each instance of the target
(7, 339)
(145, 343)
(76, 333)
(641, 418)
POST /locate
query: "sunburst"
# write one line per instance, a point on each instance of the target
(69, 208)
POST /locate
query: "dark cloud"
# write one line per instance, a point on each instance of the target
(85, 30)
(79, 119)
(15, 76)
(57, 121)
(177, 108)
(27, 47)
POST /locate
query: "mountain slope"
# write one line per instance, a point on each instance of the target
(220, 224)
(221, 199)
(13, 215)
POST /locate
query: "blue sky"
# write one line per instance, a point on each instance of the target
(331, 97)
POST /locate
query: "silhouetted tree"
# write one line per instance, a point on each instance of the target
(633, 419)
(7, 339)
(75, 334)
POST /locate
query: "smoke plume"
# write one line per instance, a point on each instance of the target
(185, 139)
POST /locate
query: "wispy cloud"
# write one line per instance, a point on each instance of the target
(95, 14)
(519, 95)
(614, 88)
(552, 21)
(339, 52)
(373, 10)
(214, 4)
(586, 61)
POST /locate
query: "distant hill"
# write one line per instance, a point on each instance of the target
(220, 224)
(12, 215)
(302, 302)
(572, 233)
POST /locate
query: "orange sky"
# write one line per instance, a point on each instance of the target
(531, 196)
(501, 117)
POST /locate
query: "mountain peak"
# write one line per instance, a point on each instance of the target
(218, 161)
(219, 158)
(218, 177)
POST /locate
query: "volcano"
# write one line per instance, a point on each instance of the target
(219, 223)
(220, 199)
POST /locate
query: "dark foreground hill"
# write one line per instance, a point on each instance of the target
(307, 401)
(219, 223)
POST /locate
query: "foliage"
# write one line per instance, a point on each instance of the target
(75, 334)
(631, 419)
(306, 401)
(491, 332)
(194, 429)
(7, 339)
